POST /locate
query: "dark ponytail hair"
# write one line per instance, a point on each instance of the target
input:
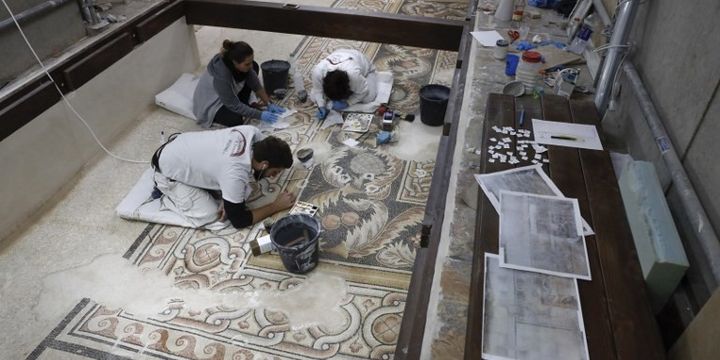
(236, 51)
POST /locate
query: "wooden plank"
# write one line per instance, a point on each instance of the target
(155, 23)
(500, 111)
(13, 116)
(566, 172)
(635, 332)
(426, 32)
(86, 69)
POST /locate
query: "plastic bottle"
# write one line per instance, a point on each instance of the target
(518, 10)
(582, 37)
(528, 71)
(504, 10)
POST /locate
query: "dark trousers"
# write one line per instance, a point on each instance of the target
(230, 118)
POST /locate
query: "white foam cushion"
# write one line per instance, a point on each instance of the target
(178, 98)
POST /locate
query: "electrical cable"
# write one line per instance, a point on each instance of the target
(65, 100)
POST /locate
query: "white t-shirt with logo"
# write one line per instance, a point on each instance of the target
(213, 160)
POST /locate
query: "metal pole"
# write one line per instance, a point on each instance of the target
(615, 54)
(701, 225)
(31, 13)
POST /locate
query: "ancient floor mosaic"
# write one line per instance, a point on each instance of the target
(371, 204)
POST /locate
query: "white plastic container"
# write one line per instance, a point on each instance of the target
(528, 70)
(504, 10)
(501, 49)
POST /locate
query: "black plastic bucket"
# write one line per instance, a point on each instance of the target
(275, 75)
(296, 238)
(433, 103)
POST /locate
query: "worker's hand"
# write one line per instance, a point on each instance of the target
(276, 109)
(339, 105)
(322, 113)
(269, 117)
(284, 201)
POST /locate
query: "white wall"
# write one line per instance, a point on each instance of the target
(44, 155)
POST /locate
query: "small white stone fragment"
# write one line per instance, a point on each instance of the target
(493, 139)
(478, 152)
(546, 160)
(539, 148)
(538, 157)
(525, 158)
(491, 160)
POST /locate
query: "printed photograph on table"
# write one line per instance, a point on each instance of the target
(542, 234)
(528, 315)
(527, 179)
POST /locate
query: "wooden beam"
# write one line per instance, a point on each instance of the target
(30, 100)
(412, 329)
(349, 24)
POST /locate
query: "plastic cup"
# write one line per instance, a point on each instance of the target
(511, 64)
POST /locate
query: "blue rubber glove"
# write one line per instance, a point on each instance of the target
(269, 117)
(276, 109)
(339, 105)
(322, 113)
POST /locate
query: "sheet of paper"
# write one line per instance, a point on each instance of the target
(486, 38)
(542, 234)
(527, 179)
(288, 112)
(566, 134)
(530, 316)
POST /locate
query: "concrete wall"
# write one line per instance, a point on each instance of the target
(49, 34)
(44, 155)
(677, 56)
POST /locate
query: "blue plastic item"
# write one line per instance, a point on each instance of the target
(542, 3)
(277, 109)
(339, 105)
(322, 113)
(269, 117)
(511, 63)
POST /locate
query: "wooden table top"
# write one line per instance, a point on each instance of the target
(619, 322)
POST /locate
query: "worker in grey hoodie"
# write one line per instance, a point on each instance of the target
(223, 92)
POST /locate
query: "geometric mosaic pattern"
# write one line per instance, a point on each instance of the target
(371, 204)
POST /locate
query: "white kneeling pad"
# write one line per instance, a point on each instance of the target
(178, 98)
(139, 205)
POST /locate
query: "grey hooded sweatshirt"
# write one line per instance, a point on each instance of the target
(217, 87)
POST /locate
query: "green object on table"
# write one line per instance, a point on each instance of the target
(658, 245)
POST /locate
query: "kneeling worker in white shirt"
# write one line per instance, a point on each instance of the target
(346, 77)
(191, 167)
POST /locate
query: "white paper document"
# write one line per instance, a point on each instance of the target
(530, 316)
(566, 134)
(542, 234)
(487, 38)
(527, 179)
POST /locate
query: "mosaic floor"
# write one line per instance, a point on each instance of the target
(371, 204)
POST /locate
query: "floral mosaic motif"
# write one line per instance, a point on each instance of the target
(371, 206)
(356, 190)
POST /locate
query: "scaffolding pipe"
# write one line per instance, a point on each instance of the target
(615, 53)
(31, 13)
(694, 210)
